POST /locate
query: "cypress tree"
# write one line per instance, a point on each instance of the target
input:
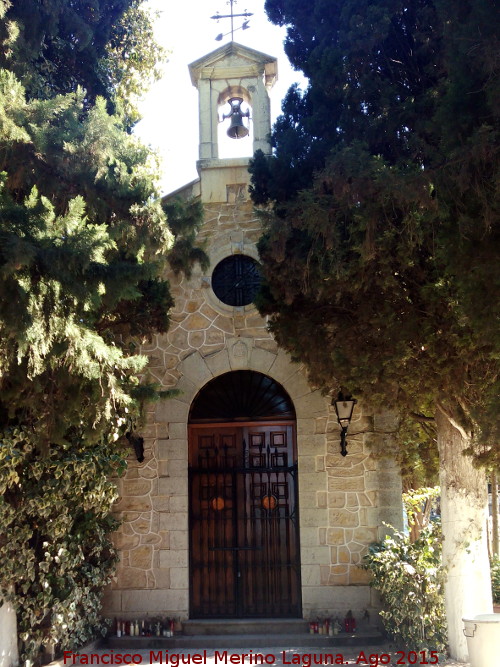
(381, 244)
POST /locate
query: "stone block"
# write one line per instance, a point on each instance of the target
(321, 499)
(196, 322)
(309, 537)
(151, 538)
(178, 540)
(345, 483)
(178, 468)
(188, 390)
(320, 424)
(224, 324)
(283, 368)
(173, 449)
(214, 336)
(351, 499)
(129, 577)
(261, 360)
(364, 535)
(125, 541)
(169, 558)
(162, 468)
(179, 577)
(298, 387)
(196, 339)
(315, 555)
(163, 602)
(346, 464)
(178, 430)
(313, 481)
(161, 503)
(142, 557)
(132, 505)
(311, 575)
(267, 344)
(310, 445)
(342, 597)
(364, 500)
(358, 576)
(335, 536)
(162, 431)
(306, 426)
(371, 481)
(343, 518)
(309, 405)
(307, 464)
(162, 578)
(177, 521)
(307, 500)
(148, 472)
(343, 555)
(218, 363)
(171, 410)
(313, 517)
(136, 487)
(172, 486)
(320, 463)
(142, 525)
(337, 499)
(179, 504)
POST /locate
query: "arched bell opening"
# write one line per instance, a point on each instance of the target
(243, 490)
(235, 129)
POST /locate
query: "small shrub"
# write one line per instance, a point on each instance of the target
(495, 579)
(409, 577)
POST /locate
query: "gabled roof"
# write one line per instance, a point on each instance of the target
(206, 67)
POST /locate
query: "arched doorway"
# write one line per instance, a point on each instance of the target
(244, 539)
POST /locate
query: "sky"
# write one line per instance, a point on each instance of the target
(170, 110)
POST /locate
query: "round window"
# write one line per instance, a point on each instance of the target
(236, 280)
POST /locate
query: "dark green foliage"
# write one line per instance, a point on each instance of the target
(104, 46)
(381, 250)
(495, 579)
(84, 247)
(184, 219)
(410, 580)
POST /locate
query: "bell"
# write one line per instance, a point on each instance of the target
(236, 130)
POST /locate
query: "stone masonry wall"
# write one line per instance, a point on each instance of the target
(342, 501)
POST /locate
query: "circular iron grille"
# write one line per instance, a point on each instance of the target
(236, 280)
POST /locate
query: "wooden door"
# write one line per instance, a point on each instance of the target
(244, 541)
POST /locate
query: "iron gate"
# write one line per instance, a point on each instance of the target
(244, 542)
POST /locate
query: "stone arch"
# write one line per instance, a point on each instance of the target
(243, 354)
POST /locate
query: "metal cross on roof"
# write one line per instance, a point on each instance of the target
(232, 16)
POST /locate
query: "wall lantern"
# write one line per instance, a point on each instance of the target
(344, 406)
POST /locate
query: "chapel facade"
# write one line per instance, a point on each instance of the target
(243, 506)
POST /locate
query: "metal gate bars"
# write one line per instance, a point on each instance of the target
(244, 542)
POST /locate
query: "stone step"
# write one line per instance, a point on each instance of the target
(245, 626)
(246, 641)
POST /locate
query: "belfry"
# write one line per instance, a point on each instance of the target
(243, 506)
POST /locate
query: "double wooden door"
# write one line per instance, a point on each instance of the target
(244, 541)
